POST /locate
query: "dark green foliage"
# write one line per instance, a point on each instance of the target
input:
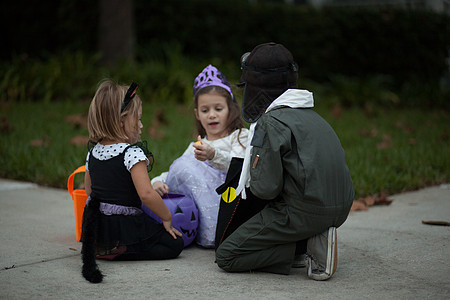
(40, 28)
(406, 45)
(362, 57)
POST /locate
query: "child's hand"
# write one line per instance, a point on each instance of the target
(203, 151)
(170, 229)
(161, 188)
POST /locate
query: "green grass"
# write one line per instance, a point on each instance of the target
(395, 150)
(54, 158)
(390, 144)
(415, 152)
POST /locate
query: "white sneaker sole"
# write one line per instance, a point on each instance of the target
(331, 258)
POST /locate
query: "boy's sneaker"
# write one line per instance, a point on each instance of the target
(299, 261)
(322, 255)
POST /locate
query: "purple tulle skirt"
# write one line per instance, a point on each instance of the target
(198, 180)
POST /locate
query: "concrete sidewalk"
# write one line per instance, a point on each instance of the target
(384, 253)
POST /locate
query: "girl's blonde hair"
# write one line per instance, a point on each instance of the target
(105, 116)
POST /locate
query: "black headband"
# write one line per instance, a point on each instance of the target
(129, 95)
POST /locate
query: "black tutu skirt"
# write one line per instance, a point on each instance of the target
(117, 230)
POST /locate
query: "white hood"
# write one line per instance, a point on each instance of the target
(293, 98)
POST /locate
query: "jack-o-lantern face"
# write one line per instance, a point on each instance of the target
(184, 215)
(185, 219)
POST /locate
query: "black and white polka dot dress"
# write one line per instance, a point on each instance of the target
(111, 182)
(133, 154)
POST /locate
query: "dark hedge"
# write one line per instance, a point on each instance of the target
(404, 44)
(407, 45)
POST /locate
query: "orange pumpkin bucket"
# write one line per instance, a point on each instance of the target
(79, 198)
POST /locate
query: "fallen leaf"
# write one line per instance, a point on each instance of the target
(160, 118)
(412, 141)
(385, 143)
(407, 129)
(79, 140)
(374, 132)
(369, 133)
(336, 111)
(363, 203)
(44, 142)
(155, 133)
(444, 137)
(78, 120)
(358, 205)
(182, 109)
(5, 126)
(382, 200)
(369, 200)
(37, 143)
(439, 223)
(364, 132)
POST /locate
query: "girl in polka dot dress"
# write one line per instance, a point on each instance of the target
(117, 182)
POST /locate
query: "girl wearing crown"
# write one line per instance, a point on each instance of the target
(203, 166)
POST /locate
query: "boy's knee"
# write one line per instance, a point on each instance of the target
(224, 265)
(223, 260)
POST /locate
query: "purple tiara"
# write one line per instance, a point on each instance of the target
(210, 76)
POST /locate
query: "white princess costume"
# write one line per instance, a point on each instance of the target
(199, 179)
